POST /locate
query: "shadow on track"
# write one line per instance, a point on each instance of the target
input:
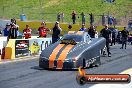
(38, 68)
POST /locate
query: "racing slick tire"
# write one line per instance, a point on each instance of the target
(81, 80)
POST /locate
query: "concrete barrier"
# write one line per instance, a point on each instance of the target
(17, 48)
(3, 43)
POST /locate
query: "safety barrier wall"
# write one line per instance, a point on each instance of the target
(3, 43)
(17, 48)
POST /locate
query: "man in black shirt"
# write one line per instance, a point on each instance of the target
(13, 32)
(106, 33)
(124, 34)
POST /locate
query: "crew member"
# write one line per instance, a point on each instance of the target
(124, 34)
(27, 32)
(92, 31)
(106, 33)
(42, 30)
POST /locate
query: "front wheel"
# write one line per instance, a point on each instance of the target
(86, 63)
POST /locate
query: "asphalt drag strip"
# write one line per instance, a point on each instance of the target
(27, 74)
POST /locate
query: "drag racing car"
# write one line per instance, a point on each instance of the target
(73, 50)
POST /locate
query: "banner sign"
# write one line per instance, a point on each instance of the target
(21, 48)
(37, 45)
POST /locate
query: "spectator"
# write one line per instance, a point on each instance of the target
(110, 20)
(42, 30)
(124, 34)
(27, 32)
(56, 32)
(106, 33)
(114, 22)
(92, 31)
(58, 17)
(83, 28)
(13, 32)
(103, 19)
(83, 18)
(62, 17)
(91, 18)
(113, 32)
(74, 17)
(7, 29)
(14, 21)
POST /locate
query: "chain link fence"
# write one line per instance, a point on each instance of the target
(32, 15)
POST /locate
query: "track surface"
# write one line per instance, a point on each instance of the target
(26, 74)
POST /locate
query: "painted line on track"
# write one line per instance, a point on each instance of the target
(19, 59)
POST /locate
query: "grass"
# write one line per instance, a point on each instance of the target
(47, 9)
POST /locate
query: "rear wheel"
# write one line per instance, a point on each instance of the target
(97, 61)
(81, 80)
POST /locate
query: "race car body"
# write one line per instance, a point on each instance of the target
(73, 50)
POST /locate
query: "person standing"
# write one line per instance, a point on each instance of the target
(13, 31)
(83, 17)
(91, 19)
(114, 22)
(106, 33)
(62, 17)
(58, 17)
(27, 32)
(110, 20)
(124, 34)
(74, 17)
(113, 32)
(6, 30)
(42, 30)
(103, 20)
(56, 32)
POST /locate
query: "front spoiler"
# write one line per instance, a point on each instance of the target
(67, 66)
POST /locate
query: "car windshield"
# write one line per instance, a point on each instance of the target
(76, 38)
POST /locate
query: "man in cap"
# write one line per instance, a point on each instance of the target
(6, 30)
(124, 34)
(42, 30)
(27, 32)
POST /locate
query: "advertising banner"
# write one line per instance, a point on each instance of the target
(34, 47)
(21, 48)
(37, 45)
